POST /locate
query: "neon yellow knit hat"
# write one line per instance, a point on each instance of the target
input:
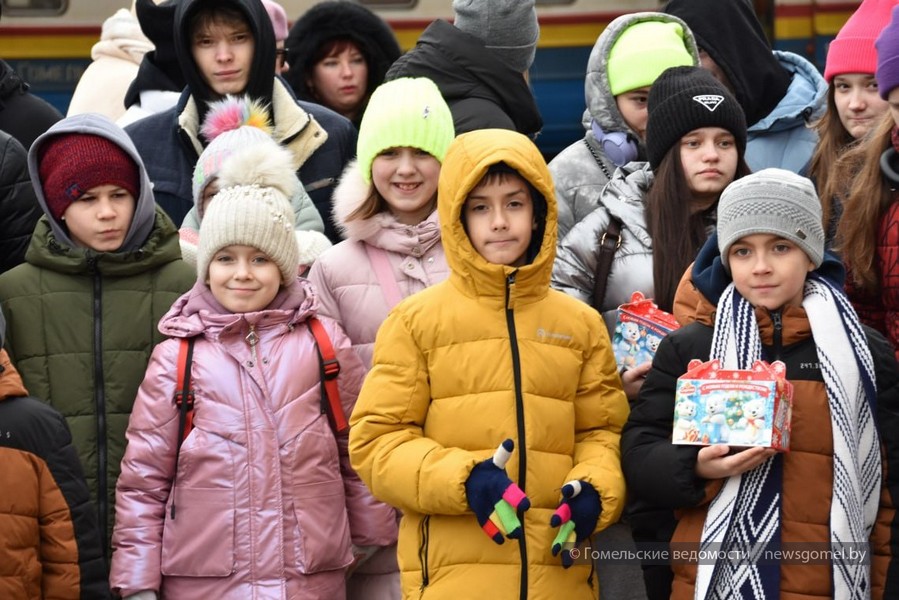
(404, 112)
(643, 51)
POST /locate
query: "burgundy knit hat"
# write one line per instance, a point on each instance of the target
(852, 50)
(73, 163)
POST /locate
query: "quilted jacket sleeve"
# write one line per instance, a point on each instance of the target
(888, 266)
(655, 468)
(601, 410)
(146, 479)
(18, 203)
(574, 270)
(388, 447)
(885, 535)
(372, 523)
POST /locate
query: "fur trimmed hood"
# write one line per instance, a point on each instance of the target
(328, 20)
(349, 195)
(382, 230)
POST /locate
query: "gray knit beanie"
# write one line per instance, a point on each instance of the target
(508, 28)
(250, 215)
(772, 201)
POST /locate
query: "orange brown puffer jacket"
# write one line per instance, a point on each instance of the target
(50, 544)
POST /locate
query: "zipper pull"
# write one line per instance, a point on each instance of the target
(510, 283)
(777, 320)
(252, 339)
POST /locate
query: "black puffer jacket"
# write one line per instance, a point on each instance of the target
(482, 92)
(19, 210)
(345, 20)
(22, 114)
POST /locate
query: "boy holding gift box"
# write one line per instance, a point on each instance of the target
(779, 297)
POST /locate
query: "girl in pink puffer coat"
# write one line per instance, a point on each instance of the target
(267, 504)
(386, 206)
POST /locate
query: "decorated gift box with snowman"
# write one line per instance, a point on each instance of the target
(734, 407)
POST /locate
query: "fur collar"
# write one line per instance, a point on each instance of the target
(351, 192)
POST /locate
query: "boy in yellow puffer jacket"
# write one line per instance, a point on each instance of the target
(494, 356)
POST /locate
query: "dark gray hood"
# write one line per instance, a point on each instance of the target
(99, 125)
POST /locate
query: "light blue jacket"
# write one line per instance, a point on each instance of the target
(783, 138)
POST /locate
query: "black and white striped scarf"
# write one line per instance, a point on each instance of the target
(745, 515)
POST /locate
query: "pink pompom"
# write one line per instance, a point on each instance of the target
(232, 113)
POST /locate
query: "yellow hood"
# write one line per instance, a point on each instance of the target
(466, 163)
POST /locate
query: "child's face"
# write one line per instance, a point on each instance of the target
(101, 218)
(223, 51)
(708, 156)
(858, 102)
(632, 106)
(407, 180)
(768, 270)
(243, 278)
(499, 217)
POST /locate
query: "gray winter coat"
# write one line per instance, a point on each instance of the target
(576, 257)
(582, 169)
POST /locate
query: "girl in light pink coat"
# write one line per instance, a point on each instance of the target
(260, 502)
(386, 205)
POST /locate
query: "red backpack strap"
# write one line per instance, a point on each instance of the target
(184, 400)
(184, 395)
(329, 369)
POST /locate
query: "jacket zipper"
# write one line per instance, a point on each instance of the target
(777, 320)
(424, 535)
(100, 404)
(519, 418)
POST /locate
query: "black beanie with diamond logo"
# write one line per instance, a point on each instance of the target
(686, 98)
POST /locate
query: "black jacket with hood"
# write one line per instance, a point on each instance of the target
(481, 91)
(322, 142)
(758, 80)
(18, 204)
(159, 69)
(22, 114)
(344, 20)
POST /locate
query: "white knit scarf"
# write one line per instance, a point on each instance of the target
(746, 512)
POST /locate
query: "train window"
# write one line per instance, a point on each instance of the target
(33, 8)
(389, 3)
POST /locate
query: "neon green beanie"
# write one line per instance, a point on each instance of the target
(643, 51)
(404, 112)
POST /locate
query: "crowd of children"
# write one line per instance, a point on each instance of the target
(259, 349)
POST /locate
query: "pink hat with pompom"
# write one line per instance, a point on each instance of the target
(231, 124)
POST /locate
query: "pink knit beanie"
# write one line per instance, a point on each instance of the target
(279, 18)
(852, 50)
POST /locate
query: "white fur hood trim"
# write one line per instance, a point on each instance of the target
(349, 195)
